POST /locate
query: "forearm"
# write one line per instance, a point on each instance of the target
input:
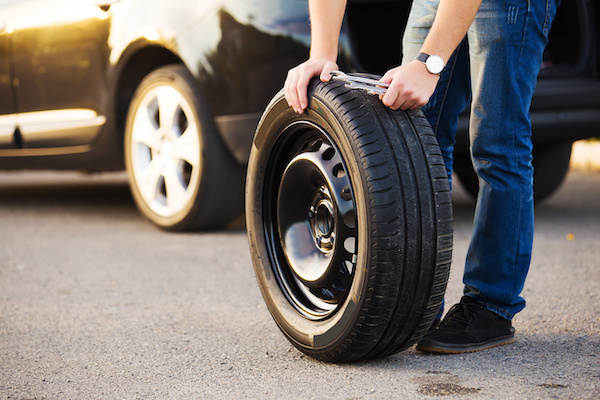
(450, 26)
(326, 18)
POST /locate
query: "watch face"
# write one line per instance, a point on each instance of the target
(435, 64)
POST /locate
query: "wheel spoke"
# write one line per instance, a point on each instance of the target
(176, 190)
(149, 179)
(168, 106)
(186, 147)
(145, 131)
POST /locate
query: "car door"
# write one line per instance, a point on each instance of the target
(60, 51)
(7, 105)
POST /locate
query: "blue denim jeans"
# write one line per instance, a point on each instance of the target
(495, 69)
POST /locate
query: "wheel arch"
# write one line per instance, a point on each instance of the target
(132, 71)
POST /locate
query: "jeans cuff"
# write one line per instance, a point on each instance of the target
(501, 312)
(493, 308)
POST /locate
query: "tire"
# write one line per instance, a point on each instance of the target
(349, 223)
(463, 168)
(550, 166)
(181, 176)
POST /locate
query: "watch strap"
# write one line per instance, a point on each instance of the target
(422, 57)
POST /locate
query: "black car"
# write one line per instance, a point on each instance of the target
(172, 91)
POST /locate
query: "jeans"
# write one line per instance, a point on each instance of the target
(495, 69)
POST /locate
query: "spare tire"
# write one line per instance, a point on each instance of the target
(349, 223)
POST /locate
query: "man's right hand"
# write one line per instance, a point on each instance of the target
(296, 83)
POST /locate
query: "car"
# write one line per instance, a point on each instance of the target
(172, 92)
(169, 91)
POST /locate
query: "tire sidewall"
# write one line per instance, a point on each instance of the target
(312, 336)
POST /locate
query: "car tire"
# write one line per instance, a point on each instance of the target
(349, 223)
(550, 162)
(181, 175)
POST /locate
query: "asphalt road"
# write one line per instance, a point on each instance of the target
(95, 303)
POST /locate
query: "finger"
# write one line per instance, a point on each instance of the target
(407, 105)
(387, 77)
(399, 102)
(302, 90)
(392, 98)
(290, 89)
(295, 99)
(414, 107)
(415, 103)
(287, 90)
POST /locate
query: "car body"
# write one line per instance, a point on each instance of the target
(90, 55)
(71, 71)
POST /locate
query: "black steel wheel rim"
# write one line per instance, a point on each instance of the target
(310, 220)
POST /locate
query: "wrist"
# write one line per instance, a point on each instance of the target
(325, 55)
(435, 64)
(324, 50)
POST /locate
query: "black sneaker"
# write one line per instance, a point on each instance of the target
(468, 327)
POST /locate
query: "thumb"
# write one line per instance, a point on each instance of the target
(326, 72)
(325, 76)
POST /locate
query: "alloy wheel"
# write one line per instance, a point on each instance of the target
(165, 151)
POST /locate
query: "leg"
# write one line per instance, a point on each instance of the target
(453, 91)
(506, 41)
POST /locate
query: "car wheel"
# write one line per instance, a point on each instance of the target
(181, 175)
(349, 223)
(550, 162)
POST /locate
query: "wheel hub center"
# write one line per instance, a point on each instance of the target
(323, 223)
(165, 148)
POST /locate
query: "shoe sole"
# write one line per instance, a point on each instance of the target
(450, 348)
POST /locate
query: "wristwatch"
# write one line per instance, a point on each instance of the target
(434, 64)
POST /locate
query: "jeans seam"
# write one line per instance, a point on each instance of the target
(547, 17)
(519, 224)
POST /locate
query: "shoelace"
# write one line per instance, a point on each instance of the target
(460, 314)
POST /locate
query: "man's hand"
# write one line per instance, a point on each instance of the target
(297, 80)
(411, 86)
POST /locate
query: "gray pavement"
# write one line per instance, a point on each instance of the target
(95, 303)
